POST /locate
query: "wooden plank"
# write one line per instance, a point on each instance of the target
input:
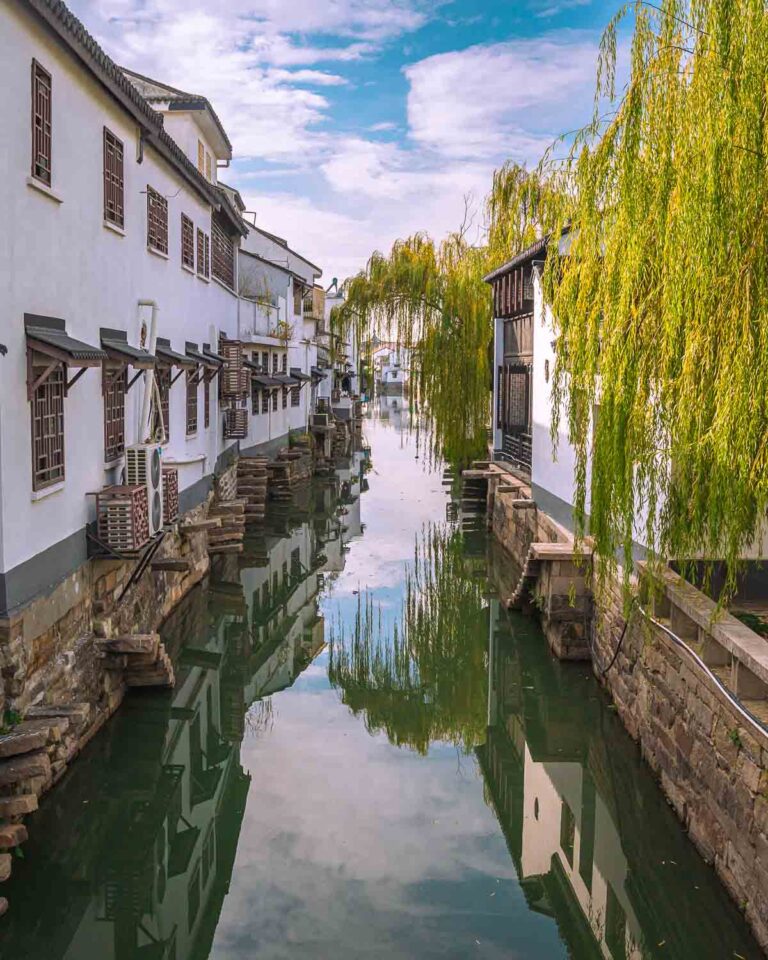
(199, 525)
(171, 566)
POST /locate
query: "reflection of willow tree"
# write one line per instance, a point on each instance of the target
(423, 678)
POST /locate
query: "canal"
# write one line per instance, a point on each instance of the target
(364, 757)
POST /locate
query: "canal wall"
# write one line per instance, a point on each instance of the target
(710, 760)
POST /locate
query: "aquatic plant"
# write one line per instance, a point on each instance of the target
(422, 677)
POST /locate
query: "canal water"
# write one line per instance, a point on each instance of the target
(364, 757)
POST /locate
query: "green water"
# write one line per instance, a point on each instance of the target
(364, 757)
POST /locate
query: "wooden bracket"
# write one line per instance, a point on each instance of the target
(73, 381)
(32, 382)
(182, 370)
(133, 380)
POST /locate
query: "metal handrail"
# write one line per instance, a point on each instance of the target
(738, 706)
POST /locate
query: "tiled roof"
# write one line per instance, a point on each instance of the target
(154, 91)
(72, 32)
(528, 254)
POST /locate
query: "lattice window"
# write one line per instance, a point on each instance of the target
(187, 242)
(516, 406)
(274, 363)
(206, 402)
(48, 429)
(157, 221)
(163, 380)
(114, 185)
(191, 401)
(207, 256)
(265, 401)
(284, 392)
(200, 156)
(284, 363)
(42, 99)
(223, 253)
(274, 399)
(295, 396)
(200, 252)
(207, 165)
(114, 413)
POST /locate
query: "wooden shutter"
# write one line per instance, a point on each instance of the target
(157, 221)
(42, 101)
(48, 430)
(114, 413)
(114, 186)
(187, 242)
(223, 253)
(230, 378)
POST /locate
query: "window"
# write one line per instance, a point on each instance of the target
(187, 242)
(284, 392)
(274, 399)
(207, 165)
(157, 221)
(295, 396)
(48, 429)
(297, 298)
(274, 363)
(114, 413)
(206, 402)
(223, 253)
(114, 186)
(203, 261)
(207, 256)
(163, 380)
(265, 401)
(200, 156)
(284, 362)
(41, 123)
(191, 401)
(265, 362)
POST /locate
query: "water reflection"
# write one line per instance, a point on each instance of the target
(132, 856)
(594, 845)
(420, 676)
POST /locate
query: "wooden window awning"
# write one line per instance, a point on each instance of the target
(212, 355)
(265, 383)
(170, 358)
(300, 375)
(115, 344)
(318, 373)
(48, 346)
(284, 380)
(200, 356)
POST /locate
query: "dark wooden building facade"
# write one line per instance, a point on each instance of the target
(513, 294)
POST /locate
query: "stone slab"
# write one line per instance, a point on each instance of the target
(11, 835)
(25, 767)
(18, 806)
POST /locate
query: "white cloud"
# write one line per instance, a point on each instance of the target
(382, 127)
(506, 98)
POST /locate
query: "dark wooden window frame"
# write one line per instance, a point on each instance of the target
(265, 401)
(114, 386)
(295, 396)
(206, 401)
(163, 380)
(284, 392)
(223, 253)
(187, 242)
(193, 381)
(274, 400)
(47, 416)
(157, 221)
(114, 179)
(42, 124)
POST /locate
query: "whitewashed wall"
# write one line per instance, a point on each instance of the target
(57, 258)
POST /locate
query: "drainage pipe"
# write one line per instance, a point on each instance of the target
(143, 431)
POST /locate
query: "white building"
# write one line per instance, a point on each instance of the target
(390, 364)
(121, 274)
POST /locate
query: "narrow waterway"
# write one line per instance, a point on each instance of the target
(364, 757)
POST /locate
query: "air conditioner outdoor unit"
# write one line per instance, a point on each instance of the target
(143, 467)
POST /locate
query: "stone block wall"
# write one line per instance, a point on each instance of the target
(710, 763)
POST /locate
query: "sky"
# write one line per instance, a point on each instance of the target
(355, 122)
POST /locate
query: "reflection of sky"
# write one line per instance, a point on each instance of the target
(351, 847)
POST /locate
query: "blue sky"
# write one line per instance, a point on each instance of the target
(355, 122)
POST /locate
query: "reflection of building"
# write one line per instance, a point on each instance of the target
(132, 856)
(390, 364)
(594, 845)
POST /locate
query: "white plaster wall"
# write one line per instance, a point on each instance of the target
(185, 131)
(58, 259)
(498, 360)
(552, 468)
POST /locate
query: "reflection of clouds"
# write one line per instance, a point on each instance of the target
(350, 847)
(355, 848)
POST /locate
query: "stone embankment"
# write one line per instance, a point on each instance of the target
(682, 703)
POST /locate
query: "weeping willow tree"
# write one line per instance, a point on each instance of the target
(430, 298)
(424, 677)
(659, 291)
